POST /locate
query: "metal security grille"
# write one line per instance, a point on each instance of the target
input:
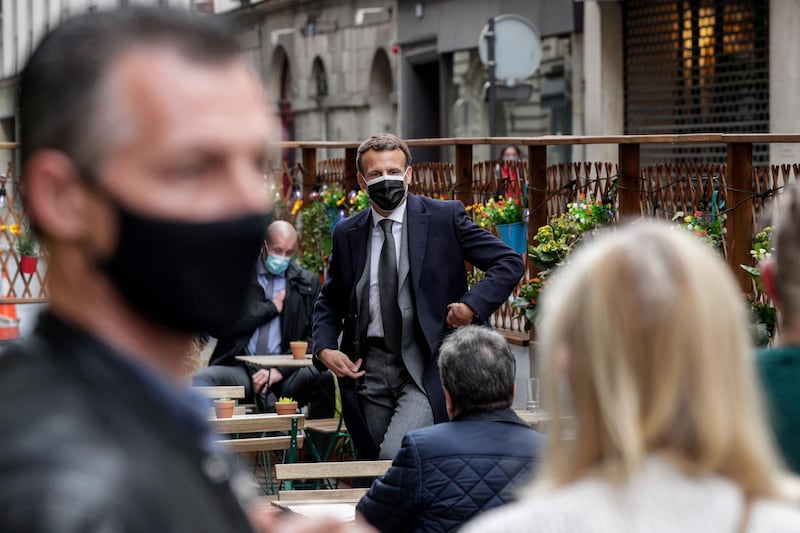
(696, 66)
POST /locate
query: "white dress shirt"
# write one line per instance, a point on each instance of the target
(375, 325)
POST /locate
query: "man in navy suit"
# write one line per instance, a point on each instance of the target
(396, 285)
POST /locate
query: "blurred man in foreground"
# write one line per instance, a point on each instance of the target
(143, 141)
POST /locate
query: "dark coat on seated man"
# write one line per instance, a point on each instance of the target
(446, 474)
(287, 296)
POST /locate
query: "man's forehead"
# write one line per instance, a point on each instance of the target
(382, 157)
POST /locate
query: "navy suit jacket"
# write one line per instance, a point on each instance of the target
(441, 237)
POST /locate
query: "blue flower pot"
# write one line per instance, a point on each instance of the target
(514, 235)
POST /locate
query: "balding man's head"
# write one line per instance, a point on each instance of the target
(282, 238)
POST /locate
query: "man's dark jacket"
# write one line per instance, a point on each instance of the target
(446, 474)
(441, 237)
(302, 288)
(88, 446)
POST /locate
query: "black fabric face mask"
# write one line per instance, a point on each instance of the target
(188, 276)
(387, 192)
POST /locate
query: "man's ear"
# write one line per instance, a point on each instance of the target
(362, 182)
(767, 269)
(55, 195)
(448, 402)
(409, 174)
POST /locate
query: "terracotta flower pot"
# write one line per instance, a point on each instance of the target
(224, 408)
(299, 349)
(286, 408)
(27, 264)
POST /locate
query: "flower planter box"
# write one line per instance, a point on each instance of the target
(514, 235)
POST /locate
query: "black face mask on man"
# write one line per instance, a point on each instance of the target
(387, 191)
(189, 276)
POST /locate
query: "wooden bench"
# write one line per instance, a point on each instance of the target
(287, 473)
(262, 445)
(234, 392)
(518, 338)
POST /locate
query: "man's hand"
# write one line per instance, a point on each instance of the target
(264, 379)
(341, 365)
(277, 300)
(459, 314)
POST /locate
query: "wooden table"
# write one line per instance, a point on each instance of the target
(254, 423)
(532, 418)
(271, 361)
(344, 510)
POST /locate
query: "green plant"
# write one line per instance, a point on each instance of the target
(358, 201)
(707, 226)
(503, 211)
(284, 399)
(26, 241)
(555, 242)
(315, 236)
(763, 315)
(526, 302)
(333, 196)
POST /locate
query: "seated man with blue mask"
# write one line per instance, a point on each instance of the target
(279, 306)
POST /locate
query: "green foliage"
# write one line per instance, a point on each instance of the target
(315, 236)
(706, 226)
(333, 197)
(494, 212)
(358, 201)
(555, 242)
(526, 303)
(26, 241)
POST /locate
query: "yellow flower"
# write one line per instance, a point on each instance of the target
(296, 207)
(341, 200)
(3, 227)
(687, 218)
(15, 229)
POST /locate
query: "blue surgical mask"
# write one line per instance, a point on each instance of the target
(276, 264)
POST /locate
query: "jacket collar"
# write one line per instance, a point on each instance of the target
(498, 415)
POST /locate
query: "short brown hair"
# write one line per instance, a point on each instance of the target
(385, 142)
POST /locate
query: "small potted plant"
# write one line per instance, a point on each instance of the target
(299, 349)
(27, 248)
(224, 407)
(286, 406)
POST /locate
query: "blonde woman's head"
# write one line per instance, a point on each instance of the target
(645, 334)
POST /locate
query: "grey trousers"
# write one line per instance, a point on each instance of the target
(392, 403)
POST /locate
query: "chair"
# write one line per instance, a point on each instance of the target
(334, 429)
(262, 425)
(287, 473)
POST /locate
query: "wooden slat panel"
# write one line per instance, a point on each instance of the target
(340, 495)
(259, 444)
(256, 423)
(331, 470)
(234, 392)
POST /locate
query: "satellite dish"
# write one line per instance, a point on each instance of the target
(517, 48)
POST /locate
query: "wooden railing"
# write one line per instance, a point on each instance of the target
(658, 191)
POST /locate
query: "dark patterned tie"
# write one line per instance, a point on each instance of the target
(387, 283)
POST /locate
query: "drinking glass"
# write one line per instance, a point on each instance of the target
(533, 395)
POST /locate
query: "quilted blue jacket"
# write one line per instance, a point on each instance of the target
(446, 474)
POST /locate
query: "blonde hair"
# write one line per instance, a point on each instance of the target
(786, 238)
(647, 330)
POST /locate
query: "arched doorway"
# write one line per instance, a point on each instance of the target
(281, 89)
(382, 113)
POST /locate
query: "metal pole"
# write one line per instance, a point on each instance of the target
(490, 35)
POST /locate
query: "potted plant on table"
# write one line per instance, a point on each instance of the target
(285, 406)
(223, 407)
(27, 248)
(299, 349)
